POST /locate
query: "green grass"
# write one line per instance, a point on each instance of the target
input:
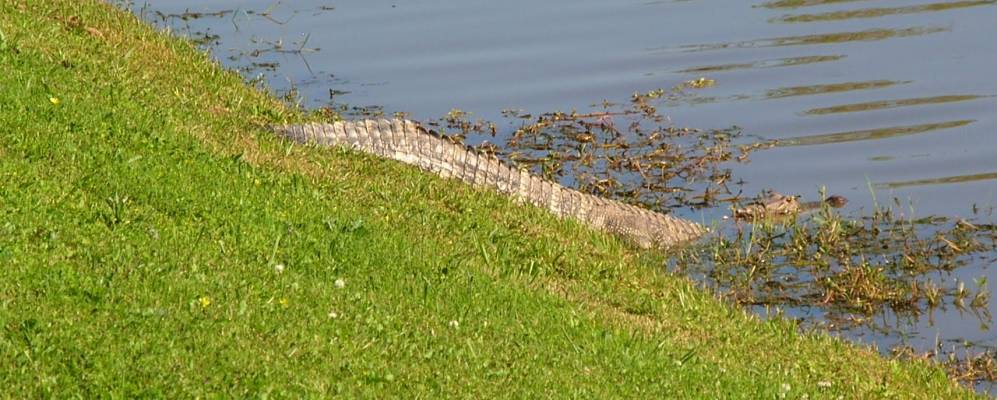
(143, 218)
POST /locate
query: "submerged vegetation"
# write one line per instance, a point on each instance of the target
(853, 269)
(629, 152)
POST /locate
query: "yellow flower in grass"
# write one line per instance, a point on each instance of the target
(284, 302)
(204, 301)
(54, 100)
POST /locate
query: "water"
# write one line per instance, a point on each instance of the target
(871, 99)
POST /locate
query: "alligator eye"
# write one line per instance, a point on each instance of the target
(836, 201)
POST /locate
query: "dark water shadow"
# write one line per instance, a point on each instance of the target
(938, 181)
(869, 35)
(771, 63)
(790, 4)
(870, 134)
(888, 104)
(810, 90)
(791, 91)
(880, 12)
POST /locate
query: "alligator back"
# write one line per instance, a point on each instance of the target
(405, 141)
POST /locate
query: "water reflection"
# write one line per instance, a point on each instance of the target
(791, 91)
(803, 3)
(805, 40)
(939, 181)
(880, 12)
(887, 104)
(773, 63)
(870, 134)
(829, 88)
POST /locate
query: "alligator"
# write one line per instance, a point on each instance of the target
(406, 141)
(774, 205)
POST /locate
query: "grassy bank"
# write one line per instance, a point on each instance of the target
(154, 240)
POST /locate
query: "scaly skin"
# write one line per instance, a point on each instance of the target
(405, 141)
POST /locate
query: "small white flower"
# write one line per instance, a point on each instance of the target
(340, 283)
(824, 384)
(333, 315)
(279, 268)
(454, 324)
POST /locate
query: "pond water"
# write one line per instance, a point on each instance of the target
(872, 99)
